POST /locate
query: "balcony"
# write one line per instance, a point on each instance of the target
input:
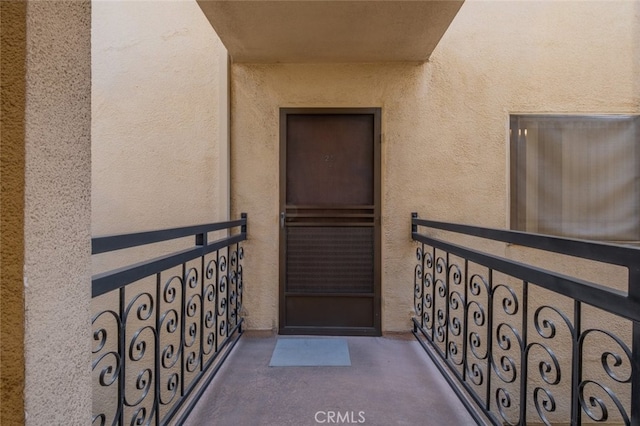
(389, 381)
(511, 342)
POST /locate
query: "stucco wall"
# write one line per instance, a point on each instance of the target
(12, 80)
(159, 124)
(444, 124)
(57, 213)
(159, 131)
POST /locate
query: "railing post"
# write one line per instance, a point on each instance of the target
(414, 227)
(243, 229)
(634, 293)
(635, 376)
(201, 239)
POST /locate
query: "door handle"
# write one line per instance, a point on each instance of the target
(283, 216)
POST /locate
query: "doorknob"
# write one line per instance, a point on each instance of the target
(283, 216)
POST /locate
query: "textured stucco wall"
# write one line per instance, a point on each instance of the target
(258, 91)
(159, 130)
(57, 213)
(444, 124)
(159, 125)
(12, 81)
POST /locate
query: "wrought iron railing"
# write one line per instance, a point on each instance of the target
(524, 345)
(162, 328)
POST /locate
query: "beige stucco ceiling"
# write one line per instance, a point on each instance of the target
(330, 31)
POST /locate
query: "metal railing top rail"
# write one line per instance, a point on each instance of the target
(593, 250)
(612, 300)
(109, 243)
(105, 282)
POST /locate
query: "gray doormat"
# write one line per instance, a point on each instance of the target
(298, 352)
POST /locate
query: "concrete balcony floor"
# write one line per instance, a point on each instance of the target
(391, 381)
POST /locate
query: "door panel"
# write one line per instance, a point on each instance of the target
(330, 233)
(329, 160)
(321, 312)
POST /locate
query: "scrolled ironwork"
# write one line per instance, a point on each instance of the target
(545, 403)
(453, 350)
(141, 417)
(477, 283)
(191, 312)
(518, 350)
(210, 269)
(418, 286)
(475, 374)
(510, 304)
(475, 343)
(151, 352)
(440, 326)
(191, 277)
(428, 300)
(608, 354)
(208, 313)
(441, 265)
(441, 288)
(456, 303)
(549, 370)
(144, 378)
(548, 364)
(455, 274)
(506, 369)
(101, 418)
(503, 338)
(137, 346)
(222, 263)
(145, 309)
(504, 402)
(169, 357)
(546, 328)
(192, 362)
(422, 282)
(170, 320)
(234, 258)
(109, 373)
(100, 333)
(597, 408)
(456, 314)
(477, 312)
(504, 365)
(428, 260)
(170, 290)
(171, 386)
(455, 325)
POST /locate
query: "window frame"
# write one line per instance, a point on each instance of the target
(517, 156)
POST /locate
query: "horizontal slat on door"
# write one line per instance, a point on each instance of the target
(335, 259)
(334, 311)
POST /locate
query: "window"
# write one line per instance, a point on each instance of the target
(576, 176)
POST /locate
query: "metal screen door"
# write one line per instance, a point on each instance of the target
(330, 221)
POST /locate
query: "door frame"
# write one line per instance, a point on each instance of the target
(376, 330)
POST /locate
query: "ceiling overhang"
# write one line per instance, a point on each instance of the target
(330, 31)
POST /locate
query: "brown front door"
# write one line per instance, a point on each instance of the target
(330, 221)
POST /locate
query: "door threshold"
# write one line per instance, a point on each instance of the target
(330, 331)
